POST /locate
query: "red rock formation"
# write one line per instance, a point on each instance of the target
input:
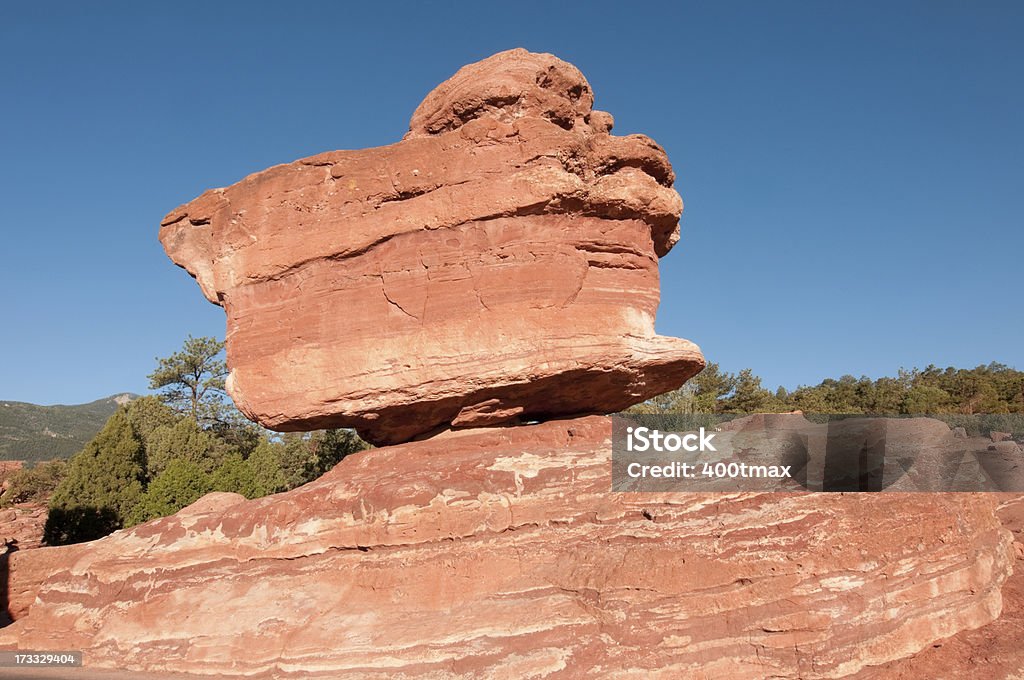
(499, 263)
(992, 652)
(502, 552)
(21, 528)
(21, 525)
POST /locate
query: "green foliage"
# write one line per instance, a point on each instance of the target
(700, 395)
(677, 401)
(294, 455)
(887, 396)
(237, 433)
(991, 389)
(162, 453)
(192, 380)
(711, 385)
(235, 475)
(181, 483)
(185, 440)
(147, 414)
(327, 448)
(983, 425)
(103, 483)
(305, 456)
(265, 463)
(35, 484)
(926, 399)
(79, 523)
(748, 396)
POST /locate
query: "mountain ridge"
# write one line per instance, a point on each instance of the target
(35, 432)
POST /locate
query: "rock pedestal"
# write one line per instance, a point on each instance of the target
(501, 553)
(499, 265)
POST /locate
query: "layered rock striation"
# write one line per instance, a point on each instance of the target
(501, 553)
(500, 263)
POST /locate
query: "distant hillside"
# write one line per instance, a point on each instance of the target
(33, 433)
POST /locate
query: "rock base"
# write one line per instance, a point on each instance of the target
(502, 553)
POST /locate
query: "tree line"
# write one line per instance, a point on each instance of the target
(160, 453)
(991, 389)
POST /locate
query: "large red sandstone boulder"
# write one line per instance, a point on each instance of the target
(499, 263)
(501, 553)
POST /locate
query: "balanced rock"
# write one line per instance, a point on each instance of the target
(500, 553)
(500, 263)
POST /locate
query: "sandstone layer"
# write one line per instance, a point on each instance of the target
(21, 523)
(501, 553)
(21, 526)
(500, 263)
(992, 652)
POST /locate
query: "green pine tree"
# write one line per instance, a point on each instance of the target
(181, 483)
(235, 475)
(294, 454)
(104, 482)
(147, 414)
(710, 387)
(328, 448)
(748, 395)
(185, 440)
(265, 463)
(192, 381)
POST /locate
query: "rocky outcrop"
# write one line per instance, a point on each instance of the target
(21, 528)
(500, 553)
(499, 264)
(992, 652)
(21, 525)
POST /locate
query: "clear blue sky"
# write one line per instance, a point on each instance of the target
(853, 172)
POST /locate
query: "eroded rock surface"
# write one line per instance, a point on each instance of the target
(501, 553)
(21, 525)
(500, 263)
(992, 652)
